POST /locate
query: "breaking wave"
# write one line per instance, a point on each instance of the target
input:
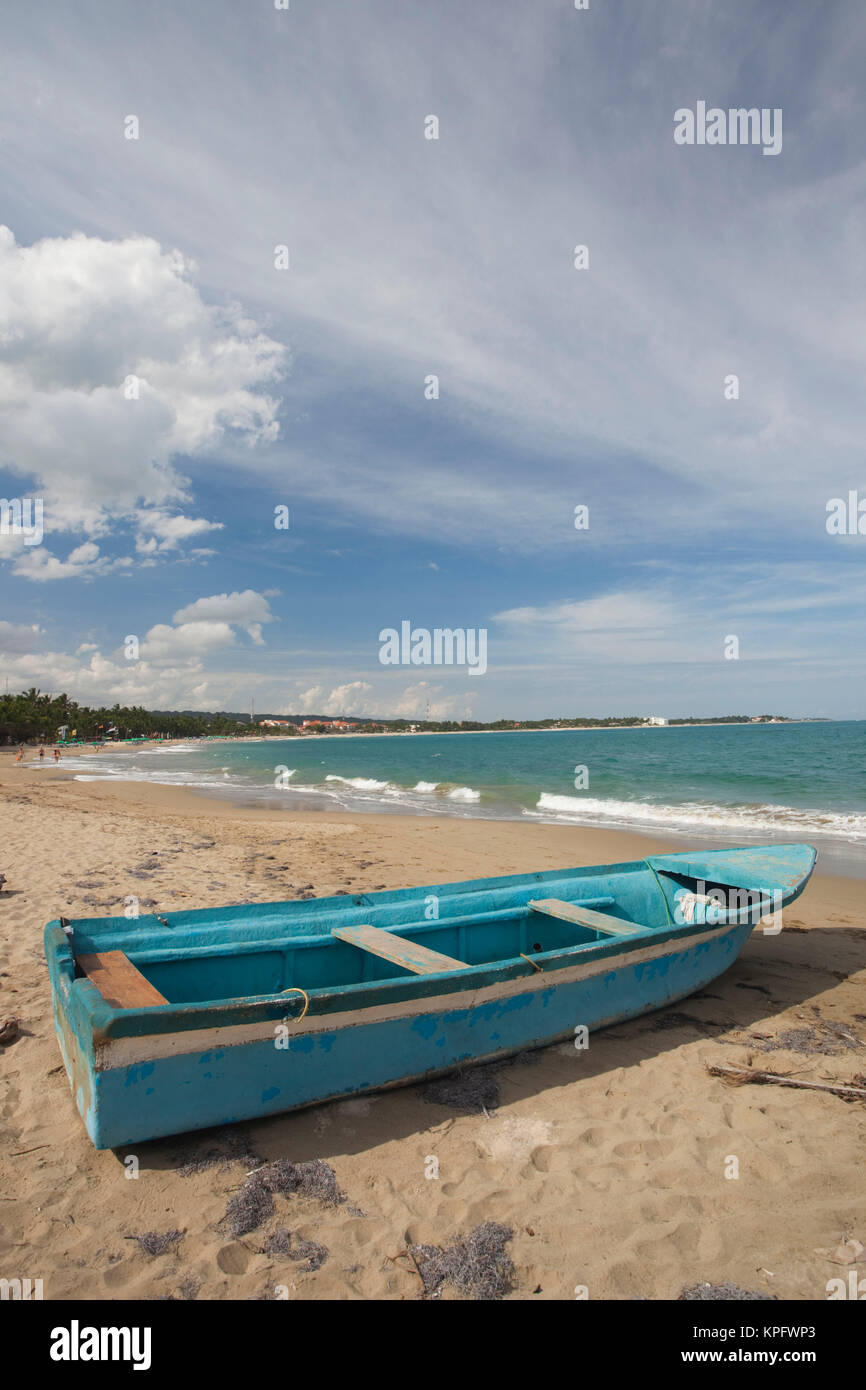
(587, 810)
(361, 784)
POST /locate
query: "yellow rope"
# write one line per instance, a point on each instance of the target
(296, 989)
(535, 966)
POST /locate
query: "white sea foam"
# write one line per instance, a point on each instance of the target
(162, 752)
(583, 810)
(361, 784)
(165, 780)
(739, 821)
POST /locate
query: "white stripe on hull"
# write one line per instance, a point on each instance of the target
(126, 1052)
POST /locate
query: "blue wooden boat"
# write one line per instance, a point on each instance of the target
(201, 1018)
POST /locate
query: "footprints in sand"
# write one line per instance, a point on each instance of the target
(512, 1139)
(10, 1095)
(648, 1150)
(233, 1259)
(118, 1277)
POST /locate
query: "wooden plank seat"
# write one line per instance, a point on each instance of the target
(409, 954)
(118, 981)
(584, 917)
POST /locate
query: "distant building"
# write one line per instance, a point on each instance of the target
(657, 719)
(329, 724)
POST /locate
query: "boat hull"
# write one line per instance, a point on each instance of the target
(142, 1088)
(253, 1010)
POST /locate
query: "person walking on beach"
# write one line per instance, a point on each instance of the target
(19, 757)
(41, 753)
(57, 755)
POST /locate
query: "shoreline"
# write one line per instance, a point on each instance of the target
(838, 857)
(620, 844)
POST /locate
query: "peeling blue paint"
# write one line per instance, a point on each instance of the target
(135, 1074)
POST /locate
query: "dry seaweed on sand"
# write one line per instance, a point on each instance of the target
(475, 1089)
(215, 1149)
(706, 1293)
(312, 1253)
(280, 1244)
(187, 1292)
(248, 1209)
(478, 1265)
(157, 1242)
(844, 1033)
(253, 1204)
(825, 1037)
(314, 1179)
(806, 1040)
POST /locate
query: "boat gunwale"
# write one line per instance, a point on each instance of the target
(155, 956)
(109, 1022)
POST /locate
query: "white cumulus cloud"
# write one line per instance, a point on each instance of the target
(111, 366)
(40, 564)
(247, 609)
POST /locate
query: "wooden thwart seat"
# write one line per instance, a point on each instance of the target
(118, 981)
(583, 916)
(409, 954)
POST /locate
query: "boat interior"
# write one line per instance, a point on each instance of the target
(324, 944)
(362, 954)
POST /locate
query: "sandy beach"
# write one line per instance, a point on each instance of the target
(609, 1166)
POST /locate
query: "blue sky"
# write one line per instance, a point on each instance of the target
(154, 258)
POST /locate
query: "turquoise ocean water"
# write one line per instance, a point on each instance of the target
(709, 784)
